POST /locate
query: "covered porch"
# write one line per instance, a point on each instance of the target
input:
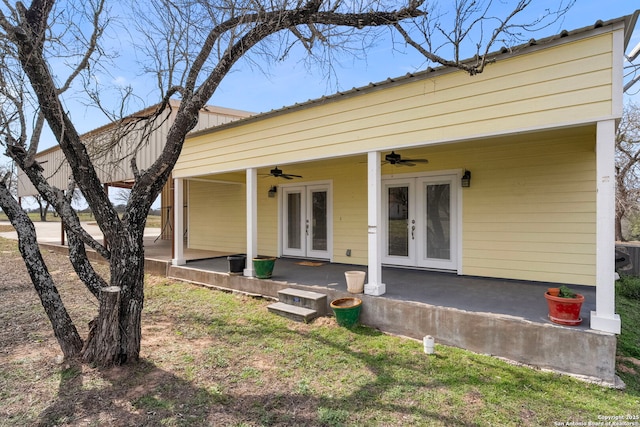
(507, 230)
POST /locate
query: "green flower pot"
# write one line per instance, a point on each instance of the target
(263, 267)
(347, 311)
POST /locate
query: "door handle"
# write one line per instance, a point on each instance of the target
(413, 229)
(306, 228)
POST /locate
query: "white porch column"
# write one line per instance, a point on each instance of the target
(252, 220)
(604, 317)
(374, 182)
(178, 222)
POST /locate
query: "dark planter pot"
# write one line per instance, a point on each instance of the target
(263, 267)
(564, 311)
(347, 311)
(236, 263)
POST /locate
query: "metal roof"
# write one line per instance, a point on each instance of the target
(629, 22)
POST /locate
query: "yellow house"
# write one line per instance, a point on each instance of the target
(507, 174)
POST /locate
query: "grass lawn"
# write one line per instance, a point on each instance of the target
(216, 358)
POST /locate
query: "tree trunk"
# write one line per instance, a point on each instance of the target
(130, 277)
(104, 347)
(42, 210)
(63, 327)
(618, 227)
(103, 343)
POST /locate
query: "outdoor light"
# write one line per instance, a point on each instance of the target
(272, 191)
(466, 179)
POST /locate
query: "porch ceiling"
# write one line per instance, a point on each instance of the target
(423, 149)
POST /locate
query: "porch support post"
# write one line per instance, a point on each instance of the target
(178, 222)
(604, 317)
(252, 220)
(375, 285)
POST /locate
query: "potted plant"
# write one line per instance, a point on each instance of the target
(564, 308)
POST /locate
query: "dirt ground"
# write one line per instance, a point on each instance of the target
(38, 387)
(59, 392)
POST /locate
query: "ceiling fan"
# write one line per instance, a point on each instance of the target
(395, 159)
(279, 174)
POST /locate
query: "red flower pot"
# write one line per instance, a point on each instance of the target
(565, 311)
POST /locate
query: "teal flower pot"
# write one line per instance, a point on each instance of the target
(263, 267)
(347, 311)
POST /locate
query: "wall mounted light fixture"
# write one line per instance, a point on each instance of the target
(272, 191)
(466, 179)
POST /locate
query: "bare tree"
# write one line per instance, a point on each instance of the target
(191, 46)
(627, 167)
(43, 206)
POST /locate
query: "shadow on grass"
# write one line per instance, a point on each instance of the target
(394, 384)
(293, 401)
(222, 384)
(143, 394)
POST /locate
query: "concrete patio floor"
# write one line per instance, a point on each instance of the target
(505, 297)
(520, 299)
(504, 318)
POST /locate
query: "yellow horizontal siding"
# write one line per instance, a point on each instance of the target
(532, 247)
(549, 258)
(217, 211)
(567, 83)
(489, 226)
(535, 274)
(524, 237)
(267, 218)
(462, 95)
(217, 216)
(530, 214)
(350, 210)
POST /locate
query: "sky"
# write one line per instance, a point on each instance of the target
(292, 83)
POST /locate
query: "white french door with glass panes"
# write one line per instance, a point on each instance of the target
(307, 221)
(421, 221)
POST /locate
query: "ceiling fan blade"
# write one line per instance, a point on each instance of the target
(278, 173)
(415, 160)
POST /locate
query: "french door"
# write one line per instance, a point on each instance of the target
(306, 221)
(420, 222)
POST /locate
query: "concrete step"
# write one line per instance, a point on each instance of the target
(307, 299)
(299, 314)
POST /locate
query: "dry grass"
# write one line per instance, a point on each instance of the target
(215, 358)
